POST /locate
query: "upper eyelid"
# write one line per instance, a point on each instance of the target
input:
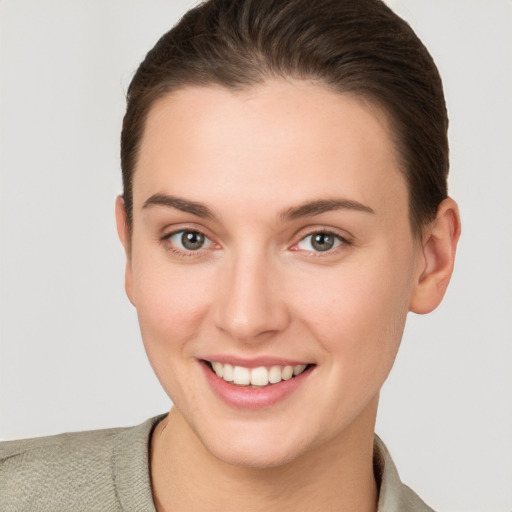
(336, 235)
(343, 240)
(172, 233)
(310, 230)
(167, 232)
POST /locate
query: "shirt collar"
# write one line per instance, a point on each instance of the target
(394, 496)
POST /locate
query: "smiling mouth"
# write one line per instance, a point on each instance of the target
(259, 377)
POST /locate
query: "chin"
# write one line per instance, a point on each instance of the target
(251, 455)
(255, 446)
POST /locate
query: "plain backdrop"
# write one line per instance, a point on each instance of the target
(71, 355)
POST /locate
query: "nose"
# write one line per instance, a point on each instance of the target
(251, 305)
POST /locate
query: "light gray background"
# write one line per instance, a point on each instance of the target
(71, 356)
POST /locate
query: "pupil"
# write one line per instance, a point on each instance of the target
(322, 241)
(192, 240)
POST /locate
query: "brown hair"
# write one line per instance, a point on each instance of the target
(355, 46)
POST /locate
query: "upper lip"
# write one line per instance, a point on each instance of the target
(253, 362)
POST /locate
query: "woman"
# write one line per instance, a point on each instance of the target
(284, 207)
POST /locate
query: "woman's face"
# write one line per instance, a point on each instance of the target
(270, 230)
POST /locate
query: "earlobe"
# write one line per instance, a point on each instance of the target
(124, 234)
(437, 258)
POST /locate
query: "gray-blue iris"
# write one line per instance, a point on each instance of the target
(192, 240)
(322, 241)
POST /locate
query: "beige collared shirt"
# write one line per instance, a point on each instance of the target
(393, 494)
(108, 471)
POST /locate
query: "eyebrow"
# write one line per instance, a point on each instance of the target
(313, 208)
(308, 209)
(184, 205)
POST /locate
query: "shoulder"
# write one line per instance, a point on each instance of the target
(62, 445)
(67, 470)
(73, 471)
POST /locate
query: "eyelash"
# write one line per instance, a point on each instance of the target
(338, 239)
(184, 253)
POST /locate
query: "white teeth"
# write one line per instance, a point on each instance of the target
(227, 373)
(274, 375)
(287, 373)
(298, 369)
(260, 376)
(241, 376)
(218, 368)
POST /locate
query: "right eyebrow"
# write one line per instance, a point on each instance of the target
(184, 205)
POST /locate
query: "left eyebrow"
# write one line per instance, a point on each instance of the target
(319, 206)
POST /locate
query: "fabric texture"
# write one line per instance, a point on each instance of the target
(108, 471)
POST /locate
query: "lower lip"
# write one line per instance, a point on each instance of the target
(246, 397)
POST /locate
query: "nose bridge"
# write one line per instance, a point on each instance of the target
(250, 304)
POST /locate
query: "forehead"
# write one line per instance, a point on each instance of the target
(271, 144)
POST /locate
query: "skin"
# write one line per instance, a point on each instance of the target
(259, 288)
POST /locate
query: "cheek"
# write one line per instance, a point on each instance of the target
(358, 314)
(171, 302)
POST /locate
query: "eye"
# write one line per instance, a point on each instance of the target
(189, 240)
(321, 241)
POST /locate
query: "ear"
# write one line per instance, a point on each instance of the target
(435, 264)
(124, 234)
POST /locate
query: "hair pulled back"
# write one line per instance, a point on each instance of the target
(351, 46)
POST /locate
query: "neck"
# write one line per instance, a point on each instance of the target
(186, 477)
